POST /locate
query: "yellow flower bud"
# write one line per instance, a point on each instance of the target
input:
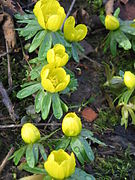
(72, 33)
(111, 23)
(50, 14)
(54, 79)
(71, 125)
(129, 79)
(30, 133)
(60, 164)
(57, 56)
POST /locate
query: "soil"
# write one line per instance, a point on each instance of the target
(116, 160)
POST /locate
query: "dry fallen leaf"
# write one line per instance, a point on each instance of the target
(33, 177)
(11, 5)
(89, 114)
(9, 32)
(124, 1)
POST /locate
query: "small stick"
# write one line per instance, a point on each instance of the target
(7, 102)
(9, 67)
(109, 7)
(4, 54)
(69, 11)
(20, 125)
(5, 160)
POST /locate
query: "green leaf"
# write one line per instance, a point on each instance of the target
(132, 114)
(107, 42)
(30, 156)
(45, 46)
(35, 72)
(63, 143)
(79, 47)
(86, 133)
(126, 27)
(102, 19)
(56, 104)
(133, 45)
(37, 40)
(64, 106)
(113, 44)
(25, 16)
(36, 153)
(28, 84)
(78, 149)
(123, 41)
(46, 104)
(87, 148)
(18, 154)
(38, 100)
(34, 170)
(58, 38)
(124, 119)
(116, 12)
(28, 91)
(75, 53)
(42, 151)
(80, 175)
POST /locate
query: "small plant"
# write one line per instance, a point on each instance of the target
(122, 33)
(123, 87)
(76, 138)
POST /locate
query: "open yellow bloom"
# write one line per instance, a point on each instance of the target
(30, 133)
(60, 164)
(72, 33)
(54, 79)
(129, 79)
(71, 125)
(111, 22)
(57, 56)
(50, 14)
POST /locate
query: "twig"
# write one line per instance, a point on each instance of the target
(5, 53)
(9, 67)
(6, 100)
(5, 160)
(69, 11)
(109, 7)
(20, 125)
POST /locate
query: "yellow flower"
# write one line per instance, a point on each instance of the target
(111, 23)
(30, 133)
(54, 79)
(73, 33)
(57, 56)
(60, 164)
(71, 125)
(129, 79)
(50, 14)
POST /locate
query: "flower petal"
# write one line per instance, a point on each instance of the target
(81, 32)
(53, 23)
(47, 85)
(51, 56)
(38, 13)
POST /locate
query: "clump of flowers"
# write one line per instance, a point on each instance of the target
(111, 23)
(121, 33)
(123, 87)
(60, 164)
(57, 56)
(54, 79)
(30, 133)
(72, 33)
(50, 14)
(71, 125)
(129, 79)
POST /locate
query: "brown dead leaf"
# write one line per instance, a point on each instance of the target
(33, 177)
(1, 17)
(109, 7)
(89, 114)
(124, 1)
(13, 6)
(127, 10)
(81, 16)
(9, 32)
